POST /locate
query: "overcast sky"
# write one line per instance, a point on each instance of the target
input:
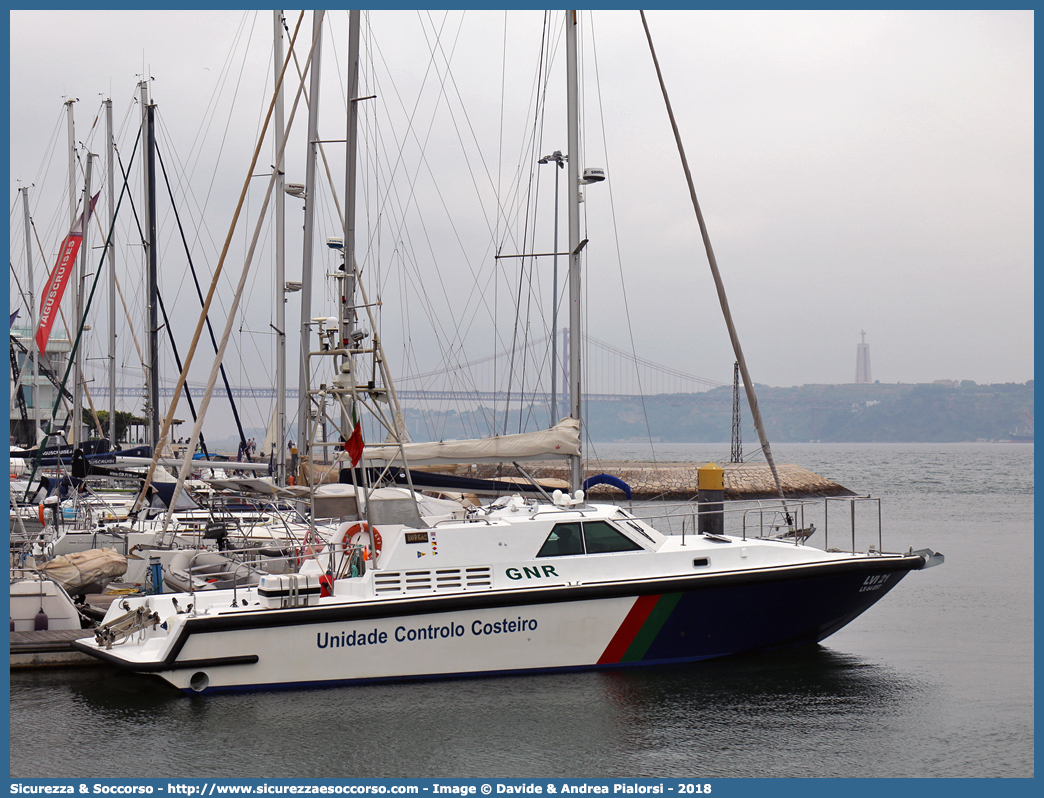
(858, 171)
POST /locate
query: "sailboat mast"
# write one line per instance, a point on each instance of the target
(280, 264)
(33, 347)
(153, 280)
(347, 320)
(304, 405)
(71, 137)
(111, 253)
(712, 261)
(70, 128)
(572, 98)
(77, 426)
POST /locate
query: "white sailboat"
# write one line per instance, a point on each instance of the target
(407, 590)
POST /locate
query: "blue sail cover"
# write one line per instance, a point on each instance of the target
(608, 479)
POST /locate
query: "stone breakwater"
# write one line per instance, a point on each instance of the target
(678, 480)
(647, 480)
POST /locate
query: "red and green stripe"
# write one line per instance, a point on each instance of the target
(639, 629)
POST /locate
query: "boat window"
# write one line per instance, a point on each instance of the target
(640, 531)
(602, 537)
(564, 539)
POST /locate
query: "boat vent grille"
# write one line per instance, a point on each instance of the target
(441, 580)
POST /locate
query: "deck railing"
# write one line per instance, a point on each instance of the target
(770, 518)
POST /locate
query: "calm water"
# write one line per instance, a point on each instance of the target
(935, 681)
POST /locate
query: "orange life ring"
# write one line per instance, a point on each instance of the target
(361, 528)
(40, 514)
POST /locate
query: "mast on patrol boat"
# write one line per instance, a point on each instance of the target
(346, 315)
(304, 405)
(280, 263)
(576, 476)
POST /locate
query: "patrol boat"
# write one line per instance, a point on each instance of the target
(521, 585)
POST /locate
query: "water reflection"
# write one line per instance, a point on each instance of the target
(772, 715)
(762, 716)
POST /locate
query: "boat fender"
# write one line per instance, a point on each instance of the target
(40, 623)
(357, 535)
(40, 515)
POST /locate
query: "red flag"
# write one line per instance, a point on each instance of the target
(52, 297)
(354, 444)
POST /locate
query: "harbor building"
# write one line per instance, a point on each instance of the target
(32, 402)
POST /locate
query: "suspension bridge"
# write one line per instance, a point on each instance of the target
(611, 374)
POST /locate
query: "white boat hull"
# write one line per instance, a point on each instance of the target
(431, 646)
(560, 627)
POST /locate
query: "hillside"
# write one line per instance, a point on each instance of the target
(838, 413)
(897, 413)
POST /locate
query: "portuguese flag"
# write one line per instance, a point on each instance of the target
(354, 444)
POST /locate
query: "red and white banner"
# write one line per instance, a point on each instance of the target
(52, 297)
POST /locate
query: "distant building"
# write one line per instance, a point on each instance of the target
(863, 361)
(38, 396)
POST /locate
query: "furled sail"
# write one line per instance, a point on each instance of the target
(558, 442)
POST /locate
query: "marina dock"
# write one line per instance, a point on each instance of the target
(48, 649)
(53, 648)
